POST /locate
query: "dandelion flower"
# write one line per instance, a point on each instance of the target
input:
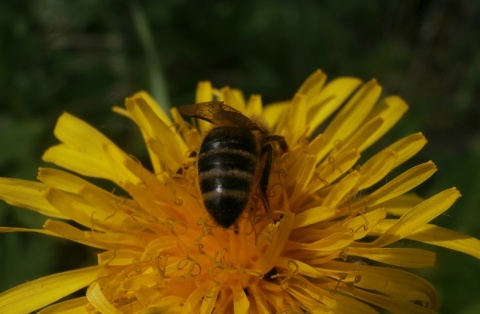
(327, 243)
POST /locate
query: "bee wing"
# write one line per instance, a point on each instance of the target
(218, 113)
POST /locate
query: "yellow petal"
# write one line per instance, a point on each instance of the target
(79, 134)
(210, 297)
(329, 99)
(116, 258)
(275, 114)
(392, 304)
(301, 268)
(390, 280)
(312, 305)
(352, 115)
(438, 236)
(402, 183)
(361, 225)
(193, 300)
(298, 156)
(63, 180)
(275, 248)
(376, 168)
(260, 300)
(254, 106)
(165, 146)
(161, 206)
(96, 298)
(296, 124)
(302, 176)
(330, 243)
(340, 190)
(204, 92)
(234, 98)
(83, 148)
(240, 300)
(191, 135)
(406, 147)
(313, 86)
(401, 204)
(71, 205)
(168, 304)
(417, 217)
(78, 161)
(41, 231)
(73, 306)
(124, 168)
(121, 111)
(142, 98)
(107, 206)
(363, 134)
(397, 285)
(315, 147)
(36, 294)
(391, 109)
(67, 231)
(331, 170)
(98, 211)
(345, 304)
(112, 241)
(312, 216)
(28, 194)
(447, 238)
(402, 257)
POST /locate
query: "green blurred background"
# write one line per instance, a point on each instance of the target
(84, 56)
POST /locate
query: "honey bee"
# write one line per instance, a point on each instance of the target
(235, 159)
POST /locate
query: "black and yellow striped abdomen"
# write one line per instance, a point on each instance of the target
(226, 169)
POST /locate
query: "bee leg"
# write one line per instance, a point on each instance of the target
(267, 150)
(280, 142)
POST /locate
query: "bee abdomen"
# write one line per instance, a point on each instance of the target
(226, 169)
(219, 180)
(227, 206)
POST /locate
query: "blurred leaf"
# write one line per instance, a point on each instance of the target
(158, 87)
(23, 260)
(19, 141)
